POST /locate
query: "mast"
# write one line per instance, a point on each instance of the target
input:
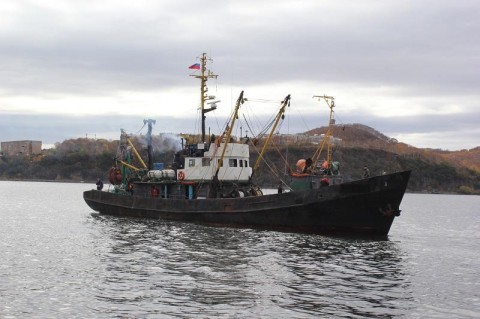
(205, 74)
(280, 113)
(331, 104)
(229, 132)
(212, 191)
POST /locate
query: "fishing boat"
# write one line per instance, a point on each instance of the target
(211, 181)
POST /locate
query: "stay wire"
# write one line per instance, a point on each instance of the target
(144, 123)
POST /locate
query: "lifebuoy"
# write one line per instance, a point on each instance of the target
(181, 175)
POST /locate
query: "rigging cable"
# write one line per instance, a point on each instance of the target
(144, 123)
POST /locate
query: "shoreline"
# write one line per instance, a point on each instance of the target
(93, 183)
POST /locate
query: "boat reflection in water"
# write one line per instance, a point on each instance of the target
(188, 268)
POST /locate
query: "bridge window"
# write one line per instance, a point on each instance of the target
(191, 162)
(205, 161)
(232, 162)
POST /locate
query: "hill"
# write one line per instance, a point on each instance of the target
(362, 136)
(464, 158)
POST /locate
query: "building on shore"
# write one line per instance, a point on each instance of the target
(21, 148)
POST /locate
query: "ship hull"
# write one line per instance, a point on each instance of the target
(366, 206)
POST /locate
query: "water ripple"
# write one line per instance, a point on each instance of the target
(60, 260)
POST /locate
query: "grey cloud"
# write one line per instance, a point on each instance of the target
(404, 44)
(421, 48)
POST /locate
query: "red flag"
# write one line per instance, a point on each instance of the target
(195, 66)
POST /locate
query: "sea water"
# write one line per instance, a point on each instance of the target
(59, 259)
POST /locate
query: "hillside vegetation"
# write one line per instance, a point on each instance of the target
(357, 145)
(361, 136)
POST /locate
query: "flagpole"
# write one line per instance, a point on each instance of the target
(205, 74)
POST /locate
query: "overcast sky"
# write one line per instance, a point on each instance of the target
(76, 68)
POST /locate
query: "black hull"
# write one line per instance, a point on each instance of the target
(366, 206)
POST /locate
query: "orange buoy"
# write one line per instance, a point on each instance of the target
(181, 175)
(114, 176)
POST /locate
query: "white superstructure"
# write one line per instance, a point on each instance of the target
(235, 168)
